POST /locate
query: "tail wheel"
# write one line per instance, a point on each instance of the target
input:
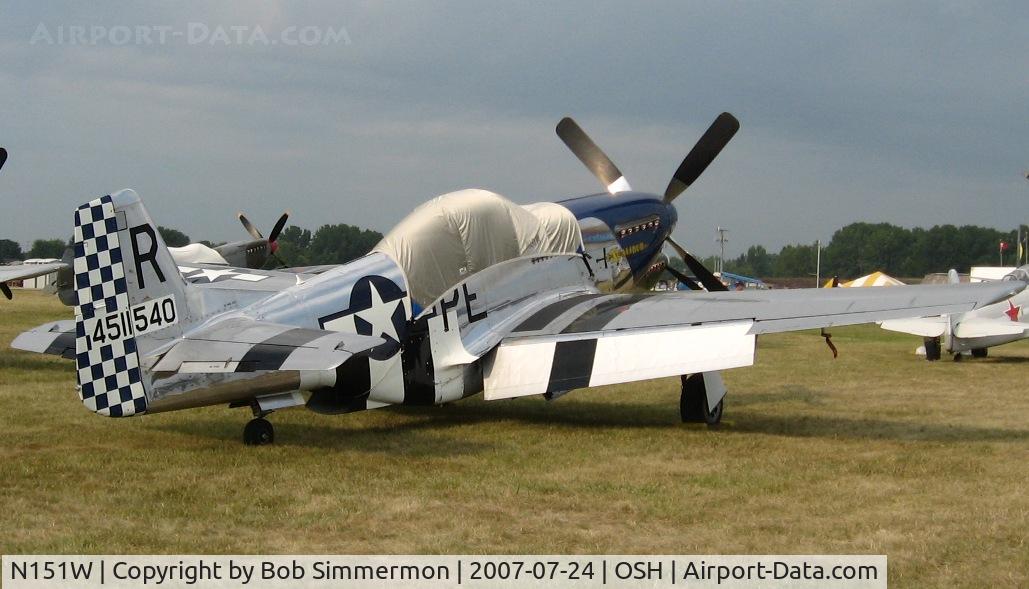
(980, 352)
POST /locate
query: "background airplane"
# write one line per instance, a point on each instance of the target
(973, 332)
(249, 253)
(469, 294)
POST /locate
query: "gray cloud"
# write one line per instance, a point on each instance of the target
(912, 113)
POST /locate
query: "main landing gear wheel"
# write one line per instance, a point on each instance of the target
(932, 349)
(980, 352)
(258, 432)
(693, 404)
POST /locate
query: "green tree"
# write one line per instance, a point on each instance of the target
(795, 261)
(47, 248)
(294, 243)
(861, 248)
(338, 244)
(10, 251)
(173, 237)
(756, 262)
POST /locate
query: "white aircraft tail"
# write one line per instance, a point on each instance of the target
(131, 299)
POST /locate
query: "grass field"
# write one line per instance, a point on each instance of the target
(876, 452)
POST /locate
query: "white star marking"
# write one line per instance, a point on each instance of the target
(212, 275)
(380, 315)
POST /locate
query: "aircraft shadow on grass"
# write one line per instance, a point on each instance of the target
(430, 432)
(33, 363)
(1002, 360)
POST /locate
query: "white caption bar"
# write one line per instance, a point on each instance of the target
(379, 571)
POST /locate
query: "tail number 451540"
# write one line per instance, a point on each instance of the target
(133, 322)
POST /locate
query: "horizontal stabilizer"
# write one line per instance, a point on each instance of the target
(56, 338)
(986, 327)
(241, 344)
(923, 326)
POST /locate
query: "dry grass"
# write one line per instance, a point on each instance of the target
(876, 452)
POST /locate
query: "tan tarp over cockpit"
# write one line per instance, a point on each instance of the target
(455, 235)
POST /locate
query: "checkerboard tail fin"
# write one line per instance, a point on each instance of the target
(131, 300)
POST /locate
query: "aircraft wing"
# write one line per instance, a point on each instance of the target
(591, 340)
(241, 344)
(310, 270)
(26, 271)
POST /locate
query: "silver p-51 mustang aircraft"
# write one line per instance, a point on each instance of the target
(469, 294)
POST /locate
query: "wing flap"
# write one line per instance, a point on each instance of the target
(244, 345)
(537, 365)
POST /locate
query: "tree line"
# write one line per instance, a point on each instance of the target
(329, 244)
(854, 250)
(10, 251)
(862, 248)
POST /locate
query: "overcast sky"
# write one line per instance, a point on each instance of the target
(911, 113)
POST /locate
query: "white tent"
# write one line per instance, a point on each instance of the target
(874, 279)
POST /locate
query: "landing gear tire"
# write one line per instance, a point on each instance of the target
(980, 352)
(932, 349)
(693, 404)
(258, 432)
(958, 357)
(713, 417)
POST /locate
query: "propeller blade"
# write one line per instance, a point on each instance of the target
(689, 282)
(279, 225)
(3, 158)
(703, 153)
(249, 226)
(709, 280)
(592, 156)
(6, 290)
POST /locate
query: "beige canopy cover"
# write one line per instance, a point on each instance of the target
(452, 236)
